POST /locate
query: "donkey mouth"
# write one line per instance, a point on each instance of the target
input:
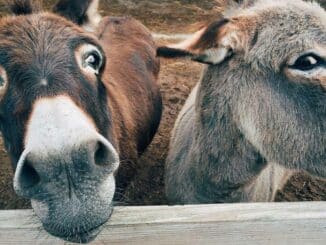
(85, 237)
(80, 237)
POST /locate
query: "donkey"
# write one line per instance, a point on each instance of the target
(74, 106)
(258, 113)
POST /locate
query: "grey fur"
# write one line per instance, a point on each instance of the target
(248, 125)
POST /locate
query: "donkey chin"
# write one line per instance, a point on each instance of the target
(73, 207)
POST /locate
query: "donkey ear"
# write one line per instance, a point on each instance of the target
(210, 45)
(24, 7)
(82, 12)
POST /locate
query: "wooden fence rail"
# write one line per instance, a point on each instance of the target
(256, 223)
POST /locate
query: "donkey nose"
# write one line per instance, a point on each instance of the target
(26, 176)
(36, 168)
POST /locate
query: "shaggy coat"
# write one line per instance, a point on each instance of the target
(258, 113)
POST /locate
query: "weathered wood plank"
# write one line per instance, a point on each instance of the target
(256, 223)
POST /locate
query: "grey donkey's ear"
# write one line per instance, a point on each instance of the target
(212, 44)
(82, 12)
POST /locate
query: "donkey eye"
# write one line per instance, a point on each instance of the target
(94, 61)
(308, 62)
(90, 59)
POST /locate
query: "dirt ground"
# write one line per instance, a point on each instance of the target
(176, 80)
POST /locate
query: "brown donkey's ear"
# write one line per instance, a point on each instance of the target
(24, 7)
(210, 45)
(82, 12)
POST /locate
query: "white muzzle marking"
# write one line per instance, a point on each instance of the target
(57, 124)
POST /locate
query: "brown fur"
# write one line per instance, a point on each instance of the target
(126, 40)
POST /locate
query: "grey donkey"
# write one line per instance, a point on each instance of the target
(258, 113)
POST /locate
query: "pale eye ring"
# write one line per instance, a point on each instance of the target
(90, 59)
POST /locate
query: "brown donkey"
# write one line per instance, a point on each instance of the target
(259, 112)
(74, 106)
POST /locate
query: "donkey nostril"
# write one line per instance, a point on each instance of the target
(29, 177)
(101, 155)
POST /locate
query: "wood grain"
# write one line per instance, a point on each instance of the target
(256, 223)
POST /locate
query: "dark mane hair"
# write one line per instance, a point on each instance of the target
(24, 7)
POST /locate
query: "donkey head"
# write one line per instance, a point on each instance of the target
(55, 119)
(267, 68)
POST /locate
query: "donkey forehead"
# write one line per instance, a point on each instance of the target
(283, 24)
(284, 29)
(28, 37)
(293, 15)
(292, 27)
